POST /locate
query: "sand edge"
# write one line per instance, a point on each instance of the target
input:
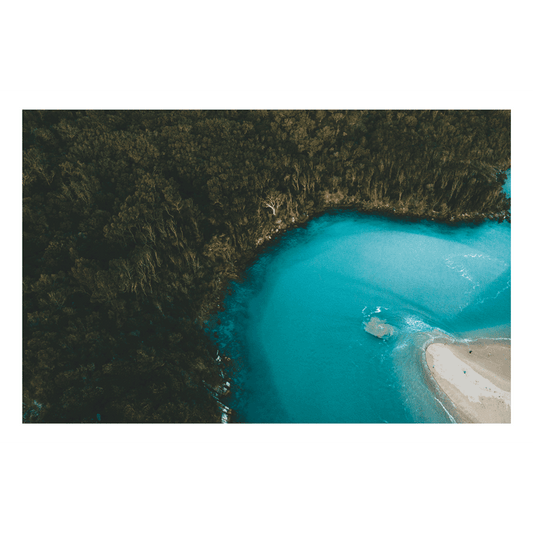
(475, 376)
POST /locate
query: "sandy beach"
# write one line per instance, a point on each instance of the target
(476, 377)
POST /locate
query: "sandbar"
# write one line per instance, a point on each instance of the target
(476, 377)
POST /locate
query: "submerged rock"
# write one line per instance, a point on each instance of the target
(379, 328)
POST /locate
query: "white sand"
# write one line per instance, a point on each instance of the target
(478, 383)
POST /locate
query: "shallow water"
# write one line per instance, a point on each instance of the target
(296, 322)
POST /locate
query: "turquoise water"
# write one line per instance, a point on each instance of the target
(507, 185)
(295, 323)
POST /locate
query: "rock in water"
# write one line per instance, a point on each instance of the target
(379, 328)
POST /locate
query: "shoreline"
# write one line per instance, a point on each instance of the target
(475, 376)
(275, 231)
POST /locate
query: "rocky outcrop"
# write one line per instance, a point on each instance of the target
(379, 328)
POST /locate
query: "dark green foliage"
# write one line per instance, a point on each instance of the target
(135, 221)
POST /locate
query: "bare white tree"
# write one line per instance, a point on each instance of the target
(273, 200)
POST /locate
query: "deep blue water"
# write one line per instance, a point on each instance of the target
(295, 323)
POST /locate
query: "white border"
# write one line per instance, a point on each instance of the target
(14, 100)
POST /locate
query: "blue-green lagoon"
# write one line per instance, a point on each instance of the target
(296, 322)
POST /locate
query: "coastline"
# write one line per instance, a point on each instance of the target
(476, 377)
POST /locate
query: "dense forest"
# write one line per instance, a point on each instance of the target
(135, 221)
